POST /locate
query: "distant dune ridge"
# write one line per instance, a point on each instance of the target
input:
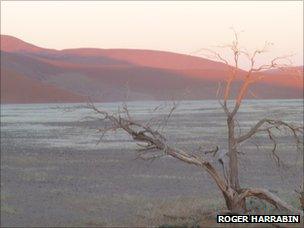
(30, 74)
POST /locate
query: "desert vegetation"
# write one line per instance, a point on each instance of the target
(222, 164)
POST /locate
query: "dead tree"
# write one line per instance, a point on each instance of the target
(152, 144)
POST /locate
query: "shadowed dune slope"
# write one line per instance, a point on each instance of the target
(16, 88)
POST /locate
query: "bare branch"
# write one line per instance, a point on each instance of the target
(269, 197)
(153, 140)
(271, 124)
(213, 151)
(297, 133)
(274, 64)
(166, 119)
(211, 54)
(272, 138)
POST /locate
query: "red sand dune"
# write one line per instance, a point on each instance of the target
(149, 58)
(13, 44)
(149, 75)
(16, 88)
(289, 77)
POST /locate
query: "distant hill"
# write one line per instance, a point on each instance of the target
(16, 88)
(13, 44)
(31, 74)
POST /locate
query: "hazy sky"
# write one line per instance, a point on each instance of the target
(172, 26)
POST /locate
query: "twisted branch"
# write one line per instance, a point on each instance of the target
(152, 140)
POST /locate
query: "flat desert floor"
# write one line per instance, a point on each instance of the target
(54, 174)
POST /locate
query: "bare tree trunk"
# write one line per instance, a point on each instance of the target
(233, 160)
(233, 202)
(232, 199)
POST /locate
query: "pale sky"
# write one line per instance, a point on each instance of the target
(181, 27)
